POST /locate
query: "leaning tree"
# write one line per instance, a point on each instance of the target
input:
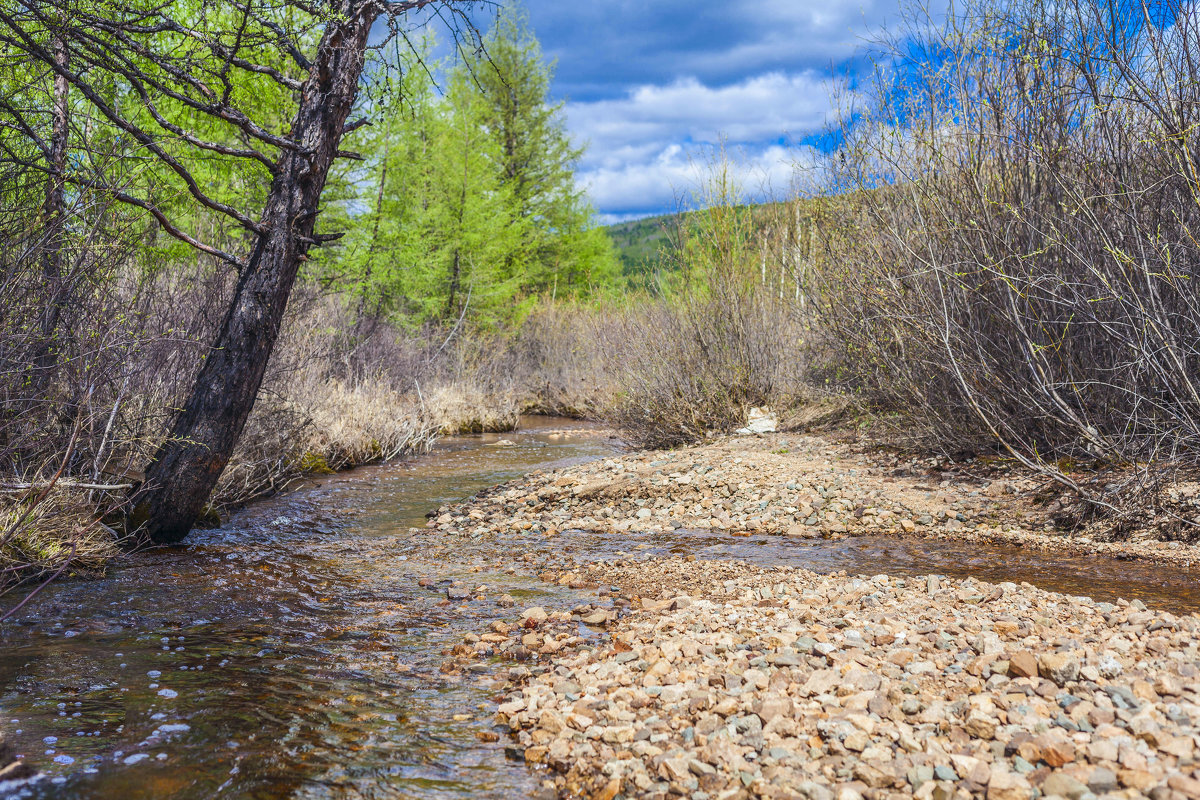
(262, 88)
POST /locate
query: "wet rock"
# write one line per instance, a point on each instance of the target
(725, 679)
(536, 615)
(598, 617)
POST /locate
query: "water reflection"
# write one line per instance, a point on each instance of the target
(1104, 579)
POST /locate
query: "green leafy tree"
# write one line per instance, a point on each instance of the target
(565, 253)
(465, 205)
(471, 225)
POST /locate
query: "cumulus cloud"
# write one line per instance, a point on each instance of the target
(675, 176)
(602, 48)
(652, 146)
(650, 84)
(764, 107)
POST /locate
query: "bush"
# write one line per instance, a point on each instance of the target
(1015, 266)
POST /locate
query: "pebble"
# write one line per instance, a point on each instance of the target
(731, 695)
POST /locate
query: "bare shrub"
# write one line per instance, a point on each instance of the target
(561, 363)
(697, 365)
(1015, 266)
(721, 340)
(340, 391)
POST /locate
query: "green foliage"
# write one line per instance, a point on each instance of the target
(652, 250)
(465, 205)
(640, 246)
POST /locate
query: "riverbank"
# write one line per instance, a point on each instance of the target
(716, 678)
(337, 427)
(299, 643)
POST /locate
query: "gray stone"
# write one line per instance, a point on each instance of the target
(1063, 786)
(945, 773)
(1102, 780)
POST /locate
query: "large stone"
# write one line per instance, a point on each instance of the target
(675, 769)
(810, 790)
(1109, 667)
(1005, 785)
(1022, 664)
(1056, 752)
(536, 615)
(1182, 783)
(872, 775)
(1062, 668)
(981, 726)
(550, 720)
(760, 420)
(1063, 786)
(1102, 781)
(657, 670)
(1138, 779)
(610, 790)
(772, 706)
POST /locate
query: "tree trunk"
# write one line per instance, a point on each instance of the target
(53, 218)
(205, 431)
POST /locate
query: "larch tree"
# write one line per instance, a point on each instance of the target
(537, 161)
(182, 85)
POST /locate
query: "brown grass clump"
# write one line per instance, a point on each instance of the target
(321, 427)
(55, 531)
(464, 407)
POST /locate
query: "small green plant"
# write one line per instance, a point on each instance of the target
(314, 464)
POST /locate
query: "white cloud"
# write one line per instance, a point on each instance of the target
(677, 175)
(762, 108)
(642, 147)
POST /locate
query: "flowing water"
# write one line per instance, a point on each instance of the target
(294, 652)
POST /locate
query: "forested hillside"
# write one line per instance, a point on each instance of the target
(640, 244)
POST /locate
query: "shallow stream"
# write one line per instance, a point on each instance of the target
(295, 653)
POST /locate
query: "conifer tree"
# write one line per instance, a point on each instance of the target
(537, 161)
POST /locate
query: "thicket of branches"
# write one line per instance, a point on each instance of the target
(1016, 255)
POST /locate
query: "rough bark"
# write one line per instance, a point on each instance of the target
(187, 466)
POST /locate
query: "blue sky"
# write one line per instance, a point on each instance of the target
(649, 85)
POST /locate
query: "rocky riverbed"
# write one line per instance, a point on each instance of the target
(718, 679)
(803, 486)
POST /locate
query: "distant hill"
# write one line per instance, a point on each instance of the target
(639, 245)
(640, 242)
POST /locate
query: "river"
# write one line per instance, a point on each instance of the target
(295, 651)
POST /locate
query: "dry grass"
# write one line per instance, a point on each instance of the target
(321, 427)
(466, 407)
(42, 536)
(561, 364)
